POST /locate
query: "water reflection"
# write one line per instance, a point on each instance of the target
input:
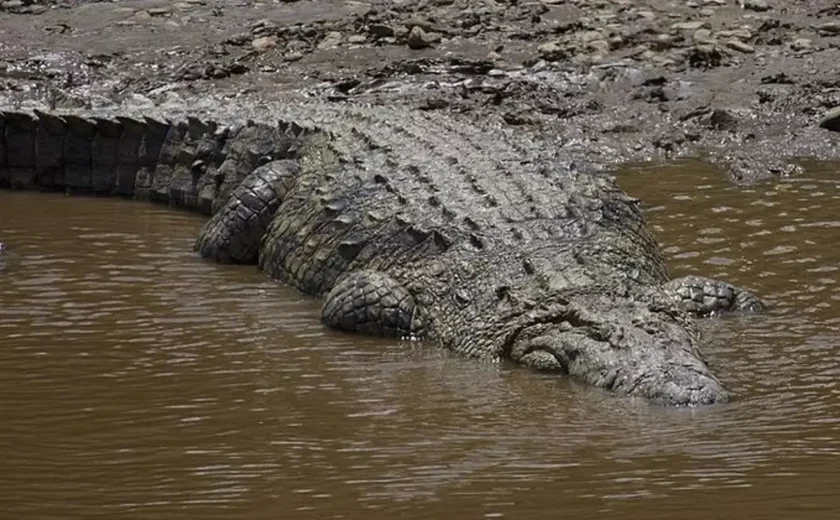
(138, 381)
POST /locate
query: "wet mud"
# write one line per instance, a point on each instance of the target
(751, 86)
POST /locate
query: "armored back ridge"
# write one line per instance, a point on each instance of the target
(409, 224)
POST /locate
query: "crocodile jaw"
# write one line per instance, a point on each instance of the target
(629, 350)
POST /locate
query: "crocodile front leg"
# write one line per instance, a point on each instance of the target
(234, 233)
(707, 297)
(372, 303)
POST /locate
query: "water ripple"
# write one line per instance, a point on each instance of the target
(139, 381)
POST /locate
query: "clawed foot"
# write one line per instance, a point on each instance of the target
(373, 303)
(707, 297)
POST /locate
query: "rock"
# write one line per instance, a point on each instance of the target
(616, 42)
(589, 36)
(704, 57)
(264, 43)
(418, 39)
(518, 118)
(293, 56)
(741, 34)
(401, 33)
(663, 42)
(434, 104)
(598, 46)
(552, 51)
(740, 46)
(829, 28)
(381, 30)
(703, 36)
(331, 40)
(159, 11)
(357, 39)
(264, 27)
(756, 5)
(689, 26)
(722, 120)
(831, 121)
(801, 44)
(139, 101)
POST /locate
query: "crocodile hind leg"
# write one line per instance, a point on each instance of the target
(707, 297)
(234, 233)
(372, 303)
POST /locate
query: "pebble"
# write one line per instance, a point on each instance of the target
(703, 36)
(598, 46)
(663, 42)
(159, 11)
(264, 43)
(741, 34)
(801, 44)
(740, 46)
(831, 120)
(829, 28)
(756, 5)
(552, 51)
(688, 26)
(381, 30)
(331, 40)
(589, 36)
(418, 38)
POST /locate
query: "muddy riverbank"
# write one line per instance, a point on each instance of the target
(747, 85)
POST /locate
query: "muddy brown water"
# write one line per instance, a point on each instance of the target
(137, 381)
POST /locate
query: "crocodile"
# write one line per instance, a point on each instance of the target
(408, 224)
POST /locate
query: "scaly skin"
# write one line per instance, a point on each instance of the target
(412, 224)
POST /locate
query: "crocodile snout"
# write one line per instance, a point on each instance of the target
(628, 350)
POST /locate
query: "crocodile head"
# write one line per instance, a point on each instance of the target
(620, 344)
